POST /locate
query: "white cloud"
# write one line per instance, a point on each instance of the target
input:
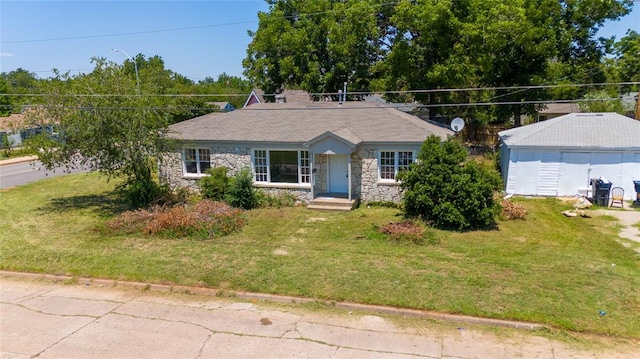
(6, 54)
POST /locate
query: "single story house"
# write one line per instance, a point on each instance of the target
(222, 106)
(553, 110)
(353, 149)
(560, 156)
(10, 130)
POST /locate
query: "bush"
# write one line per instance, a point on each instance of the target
(215, 185)
(282, 199)
(141, 193)
(408, 231)
(512, 210)
(206, 219)
(241, 193)
(446, 189)
(384, 204)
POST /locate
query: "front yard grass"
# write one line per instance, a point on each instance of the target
(547, 269)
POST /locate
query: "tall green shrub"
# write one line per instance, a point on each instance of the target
(447, 189)
(241, 193)
(215, 186)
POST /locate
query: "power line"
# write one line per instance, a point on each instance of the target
(336, 108)
(126, 33)
(186, 28)
(359, 93)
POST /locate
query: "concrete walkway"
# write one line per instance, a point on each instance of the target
(628, 218)
(43, 319)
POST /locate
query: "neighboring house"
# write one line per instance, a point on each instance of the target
(256, 96)
(222, 106)
(553, 110)
(354, 149)
(11, 130)
(282, 96)
(560, 156)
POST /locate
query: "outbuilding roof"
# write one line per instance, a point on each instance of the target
(303, 122)
(577, 130)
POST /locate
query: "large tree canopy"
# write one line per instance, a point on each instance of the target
(99, 121)
(411, 45)
(315, 45)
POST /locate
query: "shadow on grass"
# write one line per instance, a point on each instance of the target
(103, 205)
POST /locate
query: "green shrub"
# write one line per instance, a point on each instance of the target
(215, 185)
(142, 192)
(241, 193)
(282, 199)
(385, 204)
(448, 190)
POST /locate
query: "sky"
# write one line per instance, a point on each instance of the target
(196, 39)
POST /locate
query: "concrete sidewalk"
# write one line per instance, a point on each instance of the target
(43, 319)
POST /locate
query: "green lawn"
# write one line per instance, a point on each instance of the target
(548, 269)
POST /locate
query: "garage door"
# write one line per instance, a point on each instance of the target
(578, 168)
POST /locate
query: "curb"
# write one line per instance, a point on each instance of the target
(212, 292)
(18, 160)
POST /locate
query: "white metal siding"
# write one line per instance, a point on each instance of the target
(562, 173)
(548, 174)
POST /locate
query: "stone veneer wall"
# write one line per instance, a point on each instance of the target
(364, 172)
(320, 166)
(234, 158)
(365, 179)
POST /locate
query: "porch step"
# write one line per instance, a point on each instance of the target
(333, 204)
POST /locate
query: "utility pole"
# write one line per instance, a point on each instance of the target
(638, 106)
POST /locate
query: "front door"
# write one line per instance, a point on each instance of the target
(338, 174)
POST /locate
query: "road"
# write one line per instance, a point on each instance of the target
(42, 318)
(23, 172)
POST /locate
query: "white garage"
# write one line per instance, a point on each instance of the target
(560, 156)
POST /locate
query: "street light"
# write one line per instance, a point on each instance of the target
(135, 66)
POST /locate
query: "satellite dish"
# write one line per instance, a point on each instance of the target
(457, 124)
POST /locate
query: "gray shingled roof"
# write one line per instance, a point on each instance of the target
(578, 130)
(301, 122)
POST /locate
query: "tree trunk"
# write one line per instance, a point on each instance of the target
(432, 110)
(517, 121)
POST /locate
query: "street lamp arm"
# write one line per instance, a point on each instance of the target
(135, 66)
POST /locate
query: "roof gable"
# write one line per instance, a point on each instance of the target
(252, 99)
(577, 130)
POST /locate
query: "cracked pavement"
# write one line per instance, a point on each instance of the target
(44, 319)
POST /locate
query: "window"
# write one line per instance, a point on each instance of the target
(305, 167)
(282, 166)
(197, 160)
(260, 166)
(387, 165)
(392, 162)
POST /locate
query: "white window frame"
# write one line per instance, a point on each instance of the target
(199, 172)
(397, 167)
(261, 162)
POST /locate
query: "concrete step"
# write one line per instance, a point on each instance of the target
(335, 204)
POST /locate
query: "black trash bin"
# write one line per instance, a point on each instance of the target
(600, 190)
(637, 186)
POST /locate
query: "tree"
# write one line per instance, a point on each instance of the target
(5, 99)
(411, 45)
(20, 82)
(447, 189)
(602, 101)
(627, 58)
(234, 89)
(314, 45)
(102, 123)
